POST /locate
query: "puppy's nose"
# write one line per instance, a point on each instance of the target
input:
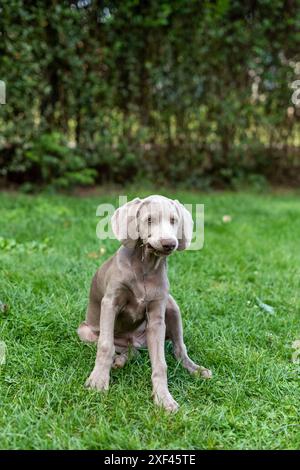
(168, 244)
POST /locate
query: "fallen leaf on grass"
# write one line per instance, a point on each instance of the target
(3, 307)
(296, 353)
(267, 308)
(96, 254)
(93, 255)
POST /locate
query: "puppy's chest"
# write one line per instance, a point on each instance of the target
(140, 297)
(131, 315)
(135, 309)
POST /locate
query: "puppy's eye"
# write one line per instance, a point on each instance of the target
(149, 220)
(172, 220)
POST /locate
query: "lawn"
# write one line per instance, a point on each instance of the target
(48, 253)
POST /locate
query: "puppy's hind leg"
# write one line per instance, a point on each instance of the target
(174, 332)
(88, 331)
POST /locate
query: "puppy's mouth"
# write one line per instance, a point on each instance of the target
(156, 252)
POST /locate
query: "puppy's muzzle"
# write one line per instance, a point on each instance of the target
(168, 245)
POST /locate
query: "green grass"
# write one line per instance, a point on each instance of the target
(253, 400)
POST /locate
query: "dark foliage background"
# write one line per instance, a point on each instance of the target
(186, 92)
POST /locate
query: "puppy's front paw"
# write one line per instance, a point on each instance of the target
(166, 401)
(97, 381)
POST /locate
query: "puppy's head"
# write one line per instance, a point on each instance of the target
(162, 224)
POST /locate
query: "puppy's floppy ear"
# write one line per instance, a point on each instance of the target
(124, 222)
(185, 227)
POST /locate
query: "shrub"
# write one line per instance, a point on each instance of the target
(49, 161)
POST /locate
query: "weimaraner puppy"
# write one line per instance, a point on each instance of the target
(130, 305)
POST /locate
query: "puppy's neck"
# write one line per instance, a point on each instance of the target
(140, 256)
